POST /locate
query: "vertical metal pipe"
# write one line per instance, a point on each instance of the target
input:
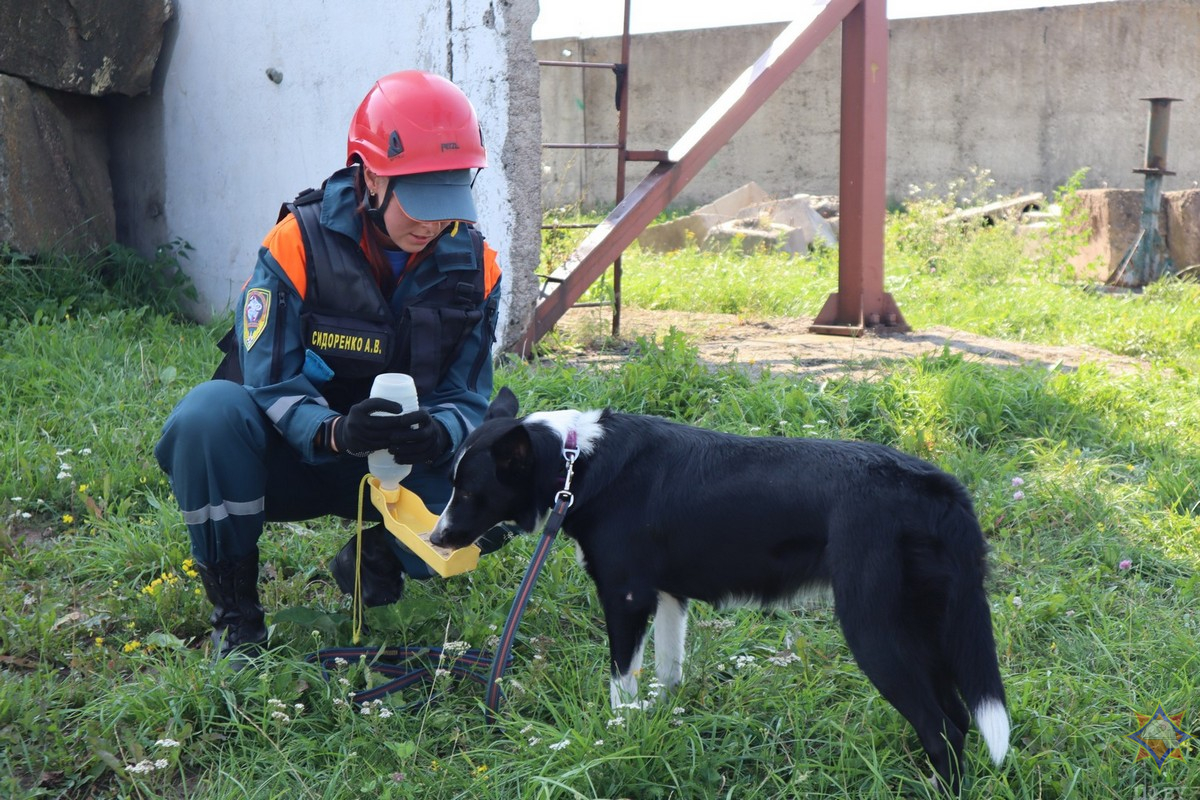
(622, 156)
(1157, 128)
(860, 301)
(1149, 261)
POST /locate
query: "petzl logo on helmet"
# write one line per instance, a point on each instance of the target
(254, 315)
(449, 146)
(395, 146)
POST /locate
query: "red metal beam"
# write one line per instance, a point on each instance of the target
(860, 301)
(708, 135)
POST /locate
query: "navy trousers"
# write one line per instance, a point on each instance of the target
(231, 472)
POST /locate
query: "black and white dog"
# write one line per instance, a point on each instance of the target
(664, 513)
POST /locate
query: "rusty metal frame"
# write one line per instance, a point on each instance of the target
(860, 300)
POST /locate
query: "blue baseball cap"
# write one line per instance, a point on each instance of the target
(429, 196)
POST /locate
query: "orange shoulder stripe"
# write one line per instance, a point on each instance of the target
(287, 246)
(491, 270)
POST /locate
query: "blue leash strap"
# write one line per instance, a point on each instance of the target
(562, 503)
(404, 666)
(503, 657)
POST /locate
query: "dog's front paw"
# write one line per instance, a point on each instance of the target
(635, 705)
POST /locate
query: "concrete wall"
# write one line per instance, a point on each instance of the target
(215, 148)
(1030, 95)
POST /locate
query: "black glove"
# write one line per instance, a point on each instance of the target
(420, 440)
(361, 431)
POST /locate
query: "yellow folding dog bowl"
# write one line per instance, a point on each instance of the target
(409, 521)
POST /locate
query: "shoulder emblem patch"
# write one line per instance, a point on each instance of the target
(254, 315)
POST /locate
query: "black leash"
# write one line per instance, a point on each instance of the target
(397, 663)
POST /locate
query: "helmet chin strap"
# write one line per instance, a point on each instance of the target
(376, 214)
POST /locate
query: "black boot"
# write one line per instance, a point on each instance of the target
(382, 581)
(237, 617)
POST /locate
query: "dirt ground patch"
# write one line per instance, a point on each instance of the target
(785, 345)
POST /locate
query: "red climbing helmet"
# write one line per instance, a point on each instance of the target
(412, 122)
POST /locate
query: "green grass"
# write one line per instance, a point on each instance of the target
(102, 627)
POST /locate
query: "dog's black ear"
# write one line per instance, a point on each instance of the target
(504, 405)
(513, 453)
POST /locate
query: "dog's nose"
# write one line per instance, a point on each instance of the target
(437, 535)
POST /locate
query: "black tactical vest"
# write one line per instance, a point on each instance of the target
(347, 320)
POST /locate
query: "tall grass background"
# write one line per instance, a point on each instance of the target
(1085, 480)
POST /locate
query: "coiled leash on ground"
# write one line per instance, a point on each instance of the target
(406, 666)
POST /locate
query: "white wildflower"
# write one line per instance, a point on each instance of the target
(716, 624)
(783, 658)
(167, 743)
(560, 745)
(615, 722)
(455, 648)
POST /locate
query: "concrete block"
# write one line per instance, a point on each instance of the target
(92, 47)
(795, 212)
(55, 191)
(1115, 219)
(678, 233)
(756, 236)
(1183, 227)
(729, 205)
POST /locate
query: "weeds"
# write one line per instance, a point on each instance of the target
(1084, 480)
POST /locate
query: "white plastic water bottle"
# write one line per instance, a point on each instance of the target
(399, 388)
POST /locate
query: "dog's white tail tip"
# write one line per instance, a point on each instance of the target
(992, 720)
